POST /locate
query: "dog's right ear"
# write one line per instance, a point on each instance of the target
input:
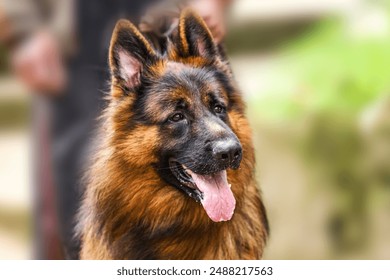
(129, 54)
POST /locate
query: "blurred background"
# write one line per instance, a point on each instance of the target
(316, 78)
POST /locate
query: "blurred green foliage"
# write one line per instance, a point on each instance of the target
(333, 145)
(328, 69)
(253, 37)
(14, 114)
(319, 88)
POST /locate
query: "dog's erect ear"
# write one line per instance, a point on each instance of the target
(195, 38)
(129, 53)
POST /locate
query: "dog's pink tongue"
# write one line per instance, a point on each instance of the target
(218, 199)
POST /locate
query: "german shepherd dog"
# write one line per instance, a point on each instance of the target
(174, 175)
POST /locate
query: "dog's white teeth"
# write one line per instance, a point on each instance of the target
(230, 186)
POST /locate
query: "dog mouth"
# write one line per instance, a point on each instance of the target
(212, 190)
(187, 184)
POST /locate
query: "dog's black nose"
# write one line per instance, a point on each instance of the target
(227, 152)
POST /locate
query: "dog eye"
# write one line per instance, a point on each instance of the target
(219, 109)
(177, 117)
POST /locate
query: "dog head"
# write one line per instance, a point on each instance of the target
(173, 111)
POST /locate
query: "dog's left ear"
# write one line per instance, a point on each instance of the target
(195, 38)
